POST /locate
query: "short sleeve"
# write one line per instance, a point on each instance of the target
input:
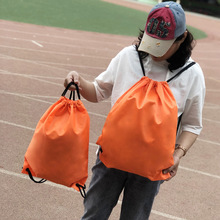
(192, 114)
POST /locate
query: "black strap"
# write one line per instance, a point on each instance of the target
(178, 123)
(72, 93)
(32, 178)
(82, 190)
(182, 70)
(141, 62)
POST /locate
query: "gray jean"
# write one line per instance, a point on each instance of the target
(105, 188)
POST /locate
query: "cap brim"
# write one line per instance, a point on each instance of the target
(154, 46)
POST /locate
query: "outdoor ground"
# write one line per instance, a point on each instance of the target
(34, 62)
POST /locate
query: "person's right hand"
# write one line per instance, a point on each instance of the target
(72, 76)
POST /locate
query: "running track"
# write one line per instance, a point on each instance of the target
(34, 61)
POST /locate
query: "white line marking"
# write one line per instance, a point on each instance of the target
(207, 59)
(27, 75)
(209, 142)
(74, 46)
(212, 78)
(16, 125)
(212, 90)
(43, 63)
(58, 53)
(34, 42)
(39, 96)
(210, 120)
(92, 144)
(24, 176)
(97, 114)
(167, 215)
(209, 105)
(30, 77)
(73, 65)
(199, 172)
(27, 97)
(32, 62)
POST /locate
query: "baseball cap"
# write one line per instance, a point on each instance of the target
(165, 22)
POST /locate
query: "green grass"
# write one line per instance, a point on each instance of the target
(88, 15)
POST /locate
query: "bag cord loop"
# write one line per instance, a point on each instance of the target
(32, 178)
(82, 190)
(72, 92)
(80, 187)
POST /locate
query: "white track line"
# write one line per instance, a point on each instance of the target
(54, 52)
(16, 125)
(68, 45)
(42, 63)
(209, 142)
(92, 144)
(212, 90)
(23, 176)
(200, 172)
(30, 77)
(210, 120)
(36, 43)
(212, 78)
(209, 105)
(71, 65)
(167, 215)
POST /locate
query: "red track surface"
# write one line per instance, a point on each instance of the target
(34, 62)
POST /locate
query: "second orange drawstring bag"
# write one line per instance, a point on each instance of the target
(140, 130)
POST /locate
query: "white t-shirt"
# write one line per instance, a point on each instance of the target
(188, 89)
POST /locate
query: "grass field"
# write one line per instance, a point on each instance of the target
(89, 15)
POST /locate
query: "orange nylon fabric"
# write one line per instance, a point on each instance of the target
(140, 131)
(59, 148)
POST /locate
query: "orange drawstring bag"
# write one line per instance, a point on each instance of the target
(140, 130)
(58, 150)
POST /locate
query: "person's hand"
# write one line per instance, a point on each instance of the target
(173, 169)
(72, 77)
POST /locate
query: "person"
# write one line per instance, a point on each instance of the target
(165, 47)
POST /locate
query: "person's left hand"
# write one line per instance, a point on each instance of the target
(173, 169)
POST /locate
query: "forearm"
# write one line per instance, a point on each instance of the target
(87, 90)
(186, 139)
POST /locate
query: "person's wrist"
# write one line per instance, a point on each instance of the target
(180, 150)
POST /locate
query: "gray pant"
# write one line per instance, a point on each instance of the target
(105, 188)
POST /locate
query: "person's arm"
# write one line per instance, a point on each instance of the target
(186, 140)
(87, 89)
